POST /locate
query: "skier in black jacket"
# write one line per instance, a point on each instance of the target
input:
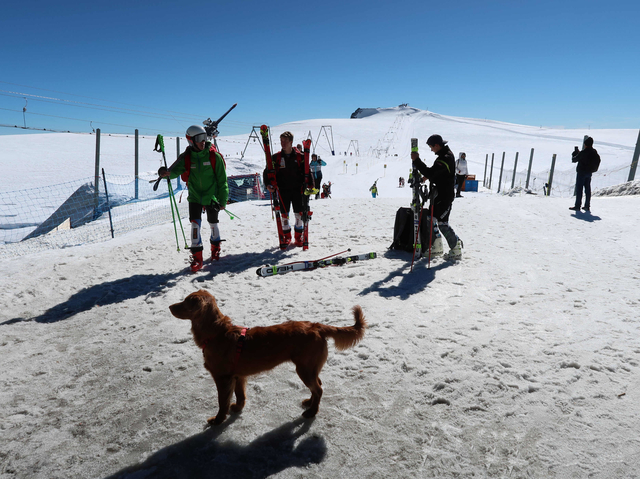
(587, 160)
(442, 176)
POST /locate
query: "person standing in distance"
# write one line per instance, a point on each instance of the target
(461, 172)
(442, 177)
(315, 167)
(204, 170)
(588, 162)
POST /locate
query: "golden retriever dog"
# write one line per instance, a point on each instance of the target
(231, 353)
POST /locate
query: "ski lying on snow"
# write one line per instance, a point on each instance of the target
(311, 265)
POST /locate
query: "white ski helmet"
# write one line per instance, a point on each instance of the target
(196, 134)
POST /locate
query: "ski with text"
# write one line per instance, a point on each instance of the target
(311, 265)
(271, 178)
(416, 206)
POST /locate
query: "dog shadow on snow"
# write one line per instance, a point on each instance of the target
(411, 282)
(146, 285)
(205, 455)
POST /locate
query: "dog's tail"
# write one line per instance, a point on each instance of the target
(349, 336)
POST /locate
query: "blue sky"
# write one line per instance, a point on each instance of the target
(161, 66)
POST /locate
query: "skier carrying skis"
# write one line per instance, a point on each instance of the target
(290, 183)
(442, 177)
(204, 170)
(374, 189)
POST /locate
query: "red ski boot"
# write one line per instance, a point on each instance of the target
(215, 251)
(196, 261)
(285, 239)
(299, 238)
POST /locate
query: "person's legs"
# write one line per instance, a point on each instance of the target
(195, 217)
(587, 192)
(579, 186)
(297, 201)
(214, 238)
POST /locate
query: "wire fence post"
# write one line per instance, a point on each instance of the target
(106, 194)
(553, 166)
(529, 170)
(515, 165)
(136, 165)
(634, 162)
(491, 172)
(96, 180)
(484, 177)
(501, 168)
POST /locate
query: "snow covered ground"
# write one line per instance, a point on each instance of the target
(522, 360)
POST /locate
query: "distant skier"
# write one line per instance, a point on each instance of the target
(374, 189)
(315, 167)
(290, 180)
(401, 182)
(588, 162)
(461, 172)
(326, 190)
(206, 176)
(442, 178)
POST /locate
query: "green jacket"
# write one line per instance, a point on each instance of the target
(205, 184)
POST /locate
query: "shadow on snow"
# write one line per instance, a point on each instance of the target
(143, 285)
(411, 282)
(204, 455)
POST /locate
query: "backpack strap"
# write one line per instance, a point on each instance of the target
(212, 160)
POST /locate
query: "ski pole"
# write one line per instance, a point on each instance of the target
(430, 230)
(172, 200)
(231, 215)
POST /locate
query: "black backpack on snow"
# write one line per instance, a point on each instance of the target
(403, 232)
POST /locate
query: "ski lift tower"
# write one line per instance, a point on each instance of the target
(356, 150)
(324, 129)
(254, 134)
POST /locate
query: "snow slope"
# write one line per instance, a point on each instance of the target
(522, 360)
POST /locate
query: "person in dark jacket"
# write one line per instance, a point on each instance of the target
(586, 160)
(442, 176)
(291, 182)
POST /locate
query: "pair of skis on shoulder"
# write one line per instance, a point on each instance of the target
(275, 197)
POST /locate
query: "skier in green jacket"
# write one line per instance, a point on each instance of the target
(204, 170)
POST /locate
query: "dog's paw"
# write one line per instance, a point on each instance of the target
(215, 420)
(309, 413)
(237, 407)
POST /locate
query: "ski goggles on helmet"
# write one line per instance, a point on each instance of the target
(199, 137)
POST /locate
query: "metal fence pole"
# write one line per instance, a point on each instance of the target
(96, 181)
(501, 168)
(553, 166)
(484, 177)
(136, 165)
(491, 172)
(106, 194)
(513, 178)
(634, 162)
(529, 170)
